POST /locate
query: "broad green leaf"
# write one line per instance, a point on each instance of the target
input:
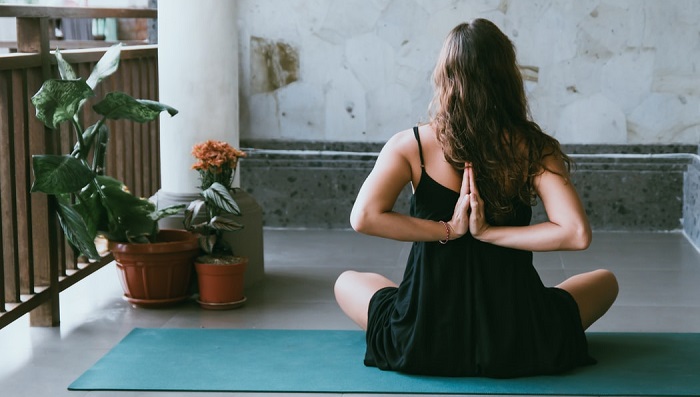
(130, 216)
(218, 196)
(64, 68)
(105, 181)
(67, 73)
(76, 231)
(106, 66)
(89, 206)
(159, 106)
(225, 224)
(118, 105)
(54, 174)
(59, 100)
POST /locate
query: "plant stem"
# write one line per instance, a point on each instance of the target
(81, 141)
(98, 159)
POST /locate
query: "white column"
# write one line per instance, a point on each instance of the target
(198, 72)
(198, 76)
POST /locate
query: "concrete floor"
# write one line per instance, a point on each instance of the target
(659, 274)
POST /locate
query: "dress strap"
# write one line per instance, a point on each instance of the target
(420, 148)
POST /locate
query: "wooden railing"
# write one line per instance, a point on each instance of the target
(36, 264)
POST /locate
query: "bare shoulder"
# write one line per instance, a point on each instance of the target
(553, 163)
(402, 142)
(401, 147)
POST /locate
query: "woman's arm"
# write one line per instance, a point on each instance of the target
(567, 227)
(373, 212)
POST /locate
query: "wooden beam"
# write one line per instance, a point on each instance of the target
(75, 44)
(28, 34)
(33, 37)
(30, 11)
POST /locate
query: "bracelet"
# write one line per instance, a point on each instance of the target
(447, 231)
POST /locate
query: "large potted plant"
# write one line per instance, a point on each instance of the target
(92, 205)
(220, 273)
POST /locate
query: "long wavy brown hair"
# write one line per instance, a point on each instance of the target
(480, 115)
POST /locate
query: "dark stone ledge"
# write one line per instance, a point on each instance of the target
(636, 187)
(375, 147)
(691, 202)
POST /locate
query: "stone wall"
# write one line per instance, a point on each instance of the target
(639, 187)
(596, 71)
(691, 202)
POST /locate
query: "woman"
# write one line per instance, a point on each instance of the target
(471, 302)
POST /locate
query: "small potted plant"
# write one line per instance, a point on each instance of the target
(220, 273)
(91, 205)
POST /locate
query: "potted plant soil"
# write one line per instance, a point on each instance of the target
(220, 273)
(91, 205)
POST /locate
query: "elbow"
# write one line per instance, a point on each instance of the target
(359, 220)
(581, 238)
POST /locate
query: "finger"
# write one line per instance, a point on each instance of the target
(465, 189)
(472, 181)
(466, 203)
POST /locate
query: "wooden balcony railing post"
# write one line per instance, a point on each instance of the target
(35, 262)
(7, 270)
(33, 37)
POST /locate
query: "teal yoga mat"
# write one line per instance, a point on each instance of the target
(630, 364)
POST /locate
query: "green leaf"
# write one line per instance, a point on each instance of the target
(92, 207)
(167, 211)
(225, 224)
(54, 174)
(106, 66)
(118, 105)
(76, 231)
(192, 212)
(64, 69)
(159, 106)
(59, 100)
(206, 243)
(218, 196)
(107, 181)
(89, 206)
(67, 73)
(202, 227)
(130, 217)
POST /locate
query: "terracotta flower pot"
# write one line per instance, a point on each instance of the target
(221, 284)
(157, 274)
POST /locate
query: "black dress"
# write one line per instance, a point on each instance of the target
(468, 308)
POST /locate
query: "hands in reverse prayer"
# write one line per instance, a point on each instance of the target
(468, 215)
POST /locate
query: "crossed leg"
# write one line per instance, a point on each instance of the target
(354, 290)
(594, 292)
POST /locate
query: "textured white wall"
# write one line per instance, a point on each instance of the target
(607, 71)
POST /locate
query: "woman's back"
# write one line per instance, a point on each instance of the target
(470, 309)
